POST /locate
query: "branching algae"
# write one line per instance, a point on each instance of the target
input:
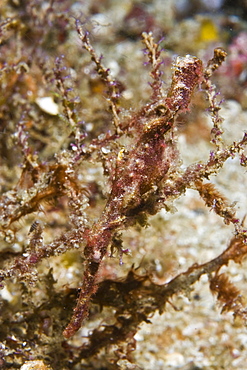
(144, 171)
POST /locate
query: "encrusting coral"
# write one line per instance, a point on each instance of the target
(143, 167)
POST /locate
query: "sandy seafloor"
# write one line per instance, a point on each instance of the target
(191, 334)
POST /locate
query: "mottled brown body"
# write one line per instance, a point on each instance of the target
(138, 176)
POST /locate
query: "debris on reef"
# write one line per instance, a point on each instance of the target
(92, 169)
